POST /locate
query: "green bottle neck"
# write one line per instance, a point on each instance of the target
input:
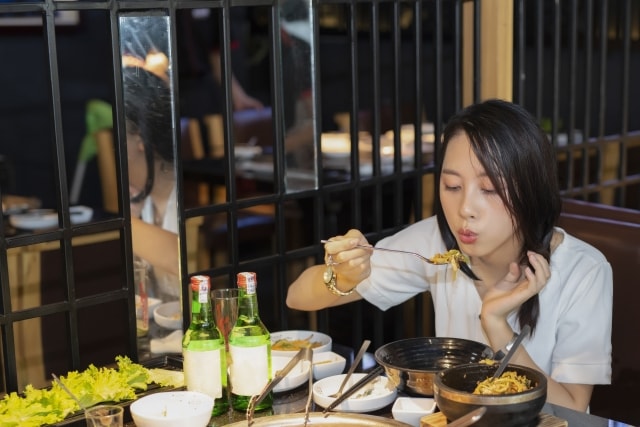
(248, 306)
(201, 312)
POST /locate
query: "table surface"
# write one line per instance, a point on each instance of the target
(294, 401)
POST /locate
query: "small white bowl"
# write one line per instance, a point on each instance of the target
(321, 342)
(172, 409)
(80, 214)
(295, 378)
(383, 394)
(153, 303)
(168, 315)
(327, 363)
(411, 409)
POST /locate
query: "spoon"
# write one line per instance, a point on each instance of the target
(514, 347)
(352, 368)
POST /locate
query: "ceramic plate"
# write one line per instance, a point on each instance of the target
(35, 219)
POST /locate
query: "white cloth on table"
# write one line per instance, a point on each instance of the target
(172, 343)
(572, 339)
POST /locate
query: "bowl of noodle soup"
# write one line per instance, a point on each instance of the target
(514, 399)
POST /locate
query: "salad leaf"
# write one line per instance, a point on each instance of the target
(167, 377)
(37, 407)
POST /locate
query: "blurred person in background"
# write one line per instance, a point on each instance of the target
(200, 67)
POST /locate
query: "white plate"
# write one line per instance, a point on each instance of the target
(295, 378)
(40, 219)
(375, 395)
(35, 219)
(323, 341)
(245, 152)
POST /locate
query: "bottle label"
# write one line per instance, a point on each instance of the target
(203, 293)
(249, 371)
(203, 372)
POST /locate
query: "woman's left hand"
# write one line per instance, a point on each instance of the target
(512, 291)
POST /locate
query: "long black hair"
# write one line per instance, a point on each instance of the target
(520, 161)
(147, 101)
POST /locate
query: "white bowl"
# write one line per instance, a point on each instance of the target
(80, 214)
(168, 315)
(172, 409)
(295, 378)
(152, 303)
(327, 363)
(321, 342)
(375, 395)
(411, 409)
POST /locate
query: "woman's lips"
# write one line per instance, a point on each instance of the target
(467, 236)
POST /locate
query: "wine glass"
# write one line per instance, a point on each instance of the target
(225, 308)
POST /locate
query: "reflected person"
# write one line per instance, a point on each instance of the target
(152, 179)
(497, 202)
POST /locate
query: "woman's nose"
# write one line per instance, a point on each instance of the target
(468, 206)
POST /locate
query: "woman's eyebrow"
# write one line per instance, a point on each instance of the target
(446, 171)
(450, 172)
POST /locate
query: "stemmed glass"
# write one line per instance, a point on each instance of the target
(225, 313)
(225, 307)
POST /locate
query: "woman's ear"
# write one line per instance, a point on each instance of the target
(136, 142)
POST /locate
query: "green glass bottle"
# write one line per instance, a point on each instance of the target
(249, 349)
(203, 350)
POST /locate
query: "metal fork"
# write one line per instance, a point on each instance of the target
(375, 248)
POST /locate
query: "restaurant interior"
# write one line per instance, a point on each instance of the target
(354, 97)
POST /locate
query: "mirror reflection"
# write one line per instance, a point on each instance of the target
(297, 47)
(147, 94)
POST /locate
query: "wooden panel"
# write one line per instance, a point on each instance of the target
(439, 420)
(619, 241)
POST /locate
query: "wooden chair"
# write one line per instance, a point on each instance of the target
(616, 233)
(106, 158)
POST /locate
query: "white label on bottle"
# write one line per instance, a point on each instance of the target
(249, 370)
(202, 372)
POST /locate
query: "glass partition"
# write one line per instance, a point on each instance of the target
(298, 44)
(151, 152)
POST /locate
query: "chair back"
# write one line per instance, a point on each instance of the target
(106, 157)
(616, 233)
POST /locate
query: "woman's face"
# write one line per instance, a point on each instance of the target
(473, 209)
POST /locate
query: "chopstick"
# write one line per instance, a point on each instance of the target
(357, 386)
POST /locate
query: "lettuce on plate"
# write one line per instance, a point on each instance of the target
(36, 407)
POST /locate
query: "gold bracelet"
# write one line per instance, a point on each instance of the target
(329, 278)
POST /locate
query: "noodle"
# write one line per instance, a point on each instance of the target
(508, 383)
(293, 344)
(453, 257)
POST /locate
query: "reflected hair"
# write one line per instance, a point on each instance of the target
(147, 109)
(519, 159)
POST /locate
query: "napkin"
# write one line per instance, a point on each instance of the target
(172, 343)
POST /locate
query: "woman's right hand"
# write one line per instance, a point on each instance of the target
(351, 263)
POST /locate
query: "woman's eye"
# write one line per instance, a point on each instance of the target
(451, 187)
(489, 190)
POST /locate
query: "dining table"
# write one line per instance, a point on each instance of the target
(294, 402)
